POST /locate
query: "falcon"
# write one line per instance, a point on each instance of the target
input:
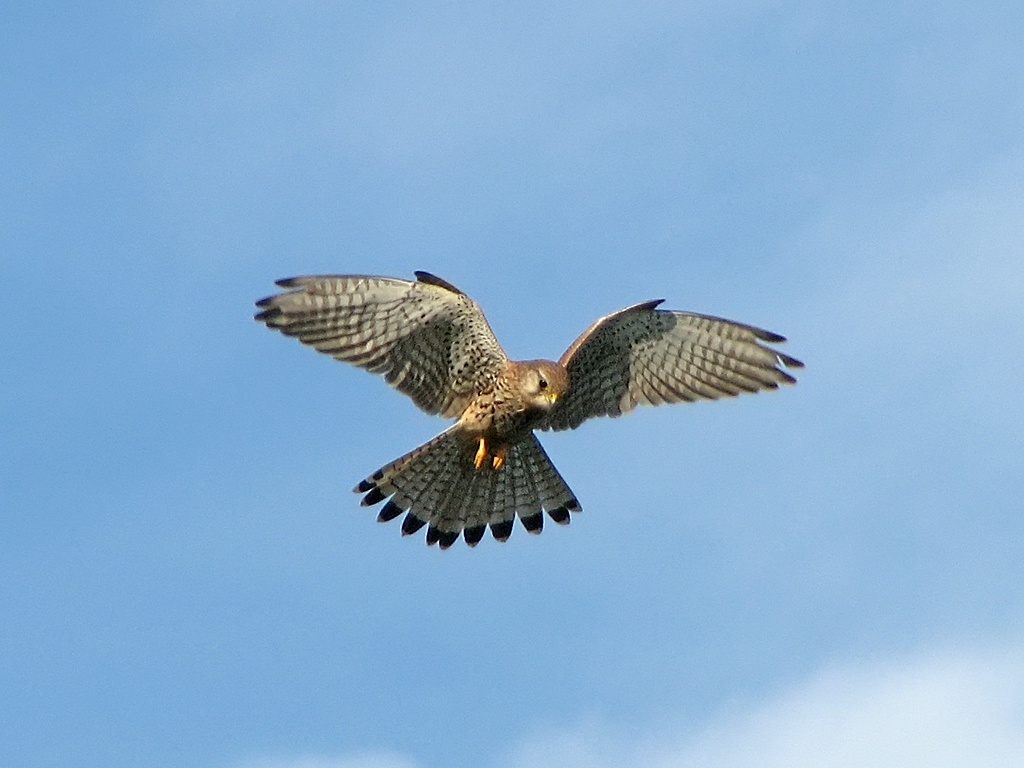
(432, 342)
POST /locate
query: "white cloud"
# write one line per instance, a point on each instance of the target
(938, 710)
(948, 710)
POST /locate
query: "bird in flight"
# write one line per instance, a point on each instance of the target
(431, 341)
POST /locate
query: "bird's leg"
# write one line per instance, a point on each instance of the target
(498, 459)
(481, 453)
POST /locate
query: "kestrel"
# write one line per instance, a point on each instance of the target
(431, 341)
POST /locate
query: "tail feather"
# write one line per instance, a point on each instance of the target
(555, 496)
(438, 484)
(478, 506)
(451, 510)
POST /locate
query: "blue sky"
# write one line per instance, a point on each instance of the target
(831, 575)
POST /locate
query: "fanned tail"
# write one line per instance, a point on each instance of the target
(438, 484)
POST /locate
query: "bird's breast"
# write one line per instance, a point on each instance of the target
(499, 419)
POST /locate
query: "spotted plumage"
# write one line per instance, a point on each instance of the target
(432, 342)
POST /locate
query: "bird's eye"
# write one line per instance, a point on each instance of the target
(543, 383)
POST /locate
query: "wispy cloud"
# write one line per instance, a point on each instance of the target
(950, 709)
(944, 710)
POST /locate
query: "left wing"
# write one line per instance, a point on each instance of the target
(643, 355)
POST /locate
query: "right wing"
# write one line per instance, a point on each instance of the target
(427, 338)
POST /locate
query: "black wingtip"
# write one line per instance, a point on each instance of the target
(769, 336)
(389, 512)
(786, 378)
(271, 314)
(474, 534)
(440, 282)
(375, 496)
(364, 486)
(411, 524)
(789, 362)
(443, 539)
(533, 523)
(560, 515)
(501, 531)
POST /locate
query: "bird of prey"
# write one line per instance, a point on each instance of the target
(431, 341)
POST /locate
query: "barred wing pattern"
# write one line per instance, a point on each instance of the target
(427, 338)
(643, 355)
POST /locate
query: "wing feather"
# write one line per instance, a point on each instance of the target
(427, 338)
(642, 355)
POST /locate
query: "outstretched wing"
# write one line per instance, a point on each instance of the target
(644, 355)
(427, 338)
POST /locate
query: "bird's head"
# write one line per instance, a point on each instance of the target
(542, 382)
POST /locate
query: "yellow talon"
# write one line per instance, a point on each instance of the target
(481, 454)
